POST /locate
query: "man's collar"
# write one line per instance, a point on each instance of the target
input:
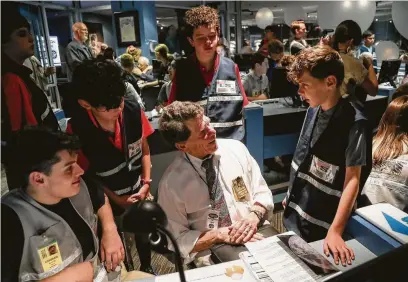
(197, 162)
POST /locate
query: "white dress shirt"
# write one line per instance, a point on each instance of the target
(184, 196)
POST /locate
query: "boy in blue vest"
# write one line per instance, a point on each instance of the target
(333, 149)
(113, 130)
(212, 80)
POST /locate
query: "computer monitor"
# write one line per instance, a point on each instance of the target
(244, 61)
(280, 86)
(389, 71)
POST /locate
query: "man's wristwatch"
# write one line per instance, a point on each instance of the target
(259, 214)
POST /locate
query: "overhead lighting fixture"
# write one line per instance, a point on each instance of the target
(157, 21)
(161, 27)
(347, 4)
(390, 21)
(376, 20)
(363, 3)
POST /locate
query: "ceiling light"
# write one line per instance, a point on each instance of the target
(390, 21)
(157, 21)
(376, 20)
(363, 3)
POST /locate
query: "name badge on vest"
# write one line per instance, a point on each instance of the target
(50, 255)
(226, 87)
(134, 148)
(212, 219)
(323, 170)
(239, 189)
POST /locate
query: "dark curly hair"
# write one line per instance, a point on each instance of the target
(99, 82)
(199, 16)
(320, 62)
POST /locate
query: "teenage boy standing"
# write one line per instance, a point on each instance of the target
(256, 84)
(209, 79)
(113, 131)
(333, 149)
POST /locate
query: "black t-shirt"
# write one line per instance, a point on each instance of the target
(12, 234)
(356, 151)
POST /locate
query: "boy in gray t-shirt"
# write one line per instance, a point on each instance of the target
(256, 83)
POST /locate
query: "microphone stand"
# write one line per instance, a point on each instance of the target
(179, 263)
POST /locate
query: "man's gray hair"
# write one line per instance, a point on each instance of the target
(172, 123)
(144, 60)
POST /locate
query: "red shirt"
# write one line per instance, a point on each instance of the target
(147, 130)
(208, 76)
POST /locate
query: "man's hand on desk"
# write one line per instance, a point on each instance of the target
(223, 236)
(243, 230)
(333, 243)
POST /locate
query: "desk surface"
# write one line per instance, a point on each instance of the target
(217, 272)
(213, 273)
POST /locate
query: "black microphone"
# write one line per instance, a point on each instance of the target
(149, 218)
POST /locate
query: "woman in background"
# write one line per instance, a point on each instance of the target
(345, 40)
(388, 181)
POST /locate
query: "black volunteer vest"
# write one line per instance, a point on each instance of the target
(318, 173)
(119, 171)
(222, 103)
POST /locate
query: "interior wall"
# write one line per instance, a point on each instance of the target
(107, 27)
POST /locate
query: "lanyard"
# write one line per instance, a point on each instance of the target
(211, 191)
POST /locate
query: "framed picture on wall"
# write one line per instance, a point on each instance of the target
(127, 28)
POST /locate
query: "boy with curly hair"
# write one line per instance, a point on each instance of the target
(208, 78)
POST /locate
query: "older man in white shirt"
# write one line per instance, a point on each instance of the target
(213, 192)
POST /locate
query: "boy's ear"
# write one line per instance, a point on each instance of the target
(84, 104)
(331, 81)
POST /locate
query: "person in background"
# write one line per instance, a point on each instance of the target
(270, 34)
(54, 214)
(39, 73)
(222, 50)
(368, 42)
(172, 41)
(144, 70)
(94, 45)
(275, 52)
(132, 87)
(401, 91)
(162, 55)
(287, 61)
(189, 191)
(208, 78)
(135, 52)
(299, 31)
(108, 54)
(333, 149)
(246, 48)
(388, 181)
(113, 131)
(164, 93)
(22, 101)
(256, 83)
(345, 38)
(77, 51)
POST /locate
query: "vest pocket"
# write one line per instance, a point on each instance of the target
(50, 252)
